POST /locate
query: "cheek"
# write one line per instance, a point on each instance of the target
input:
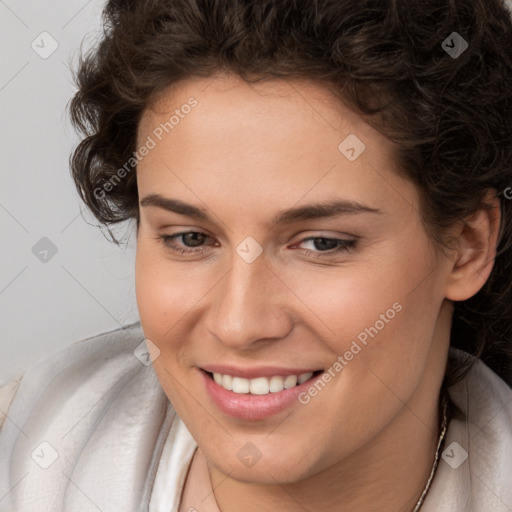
(343, 302)
(164, 297)
(381, 314)
(165, 290)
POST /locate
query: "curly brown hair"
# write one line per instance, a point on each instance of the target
(449, 115)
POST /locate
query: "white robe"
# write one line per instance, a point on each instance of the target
(98, 418)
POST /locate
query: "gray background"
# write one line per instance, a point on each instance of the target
(87, 286)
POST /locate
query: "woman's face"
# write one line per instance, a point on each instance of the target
(268, 284)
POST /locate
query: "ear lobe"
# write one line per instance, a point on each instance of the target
(477, 239)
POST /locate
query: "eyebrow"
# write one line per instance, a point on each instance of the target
(301, 213)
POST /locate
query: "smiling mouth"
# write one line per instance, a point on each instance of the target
(261, 385)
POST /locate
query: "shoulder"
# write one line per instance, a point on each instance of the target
(483, 396)
(474, 470)
(79, 359)
(94, 411)
(81, 351)
(91, 366)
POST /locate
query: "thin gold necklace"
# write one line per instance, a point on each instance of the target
(436, 459)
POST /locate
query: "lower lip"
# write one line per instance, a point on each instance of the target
(253, 407)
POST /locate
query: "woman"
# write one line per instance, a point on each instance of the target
(323, 273)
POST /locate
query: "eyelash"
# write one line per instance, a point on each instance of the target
(344, 245)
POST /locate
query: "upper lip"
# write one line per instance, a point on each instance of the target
(254, 372)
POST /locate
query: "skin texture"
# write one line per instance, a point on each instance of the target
(244, 153)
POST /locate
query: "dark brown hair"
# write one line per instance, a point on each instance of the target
(450, 116)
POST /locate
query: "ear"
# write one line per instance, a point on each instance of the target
(477, 239)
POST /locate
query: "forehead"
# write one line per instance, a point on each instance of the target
(270, 140)
(225, 99)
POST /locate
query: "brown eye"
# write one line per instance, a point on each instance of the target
(323, 246)
(189, 241)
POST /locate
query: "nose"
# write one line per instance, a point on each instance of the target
(249, 305)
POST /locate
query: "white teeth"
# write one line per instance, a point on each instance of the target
(290, 381)
(227, 382)
(276, 384)
(240, 385)
(260, 385)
